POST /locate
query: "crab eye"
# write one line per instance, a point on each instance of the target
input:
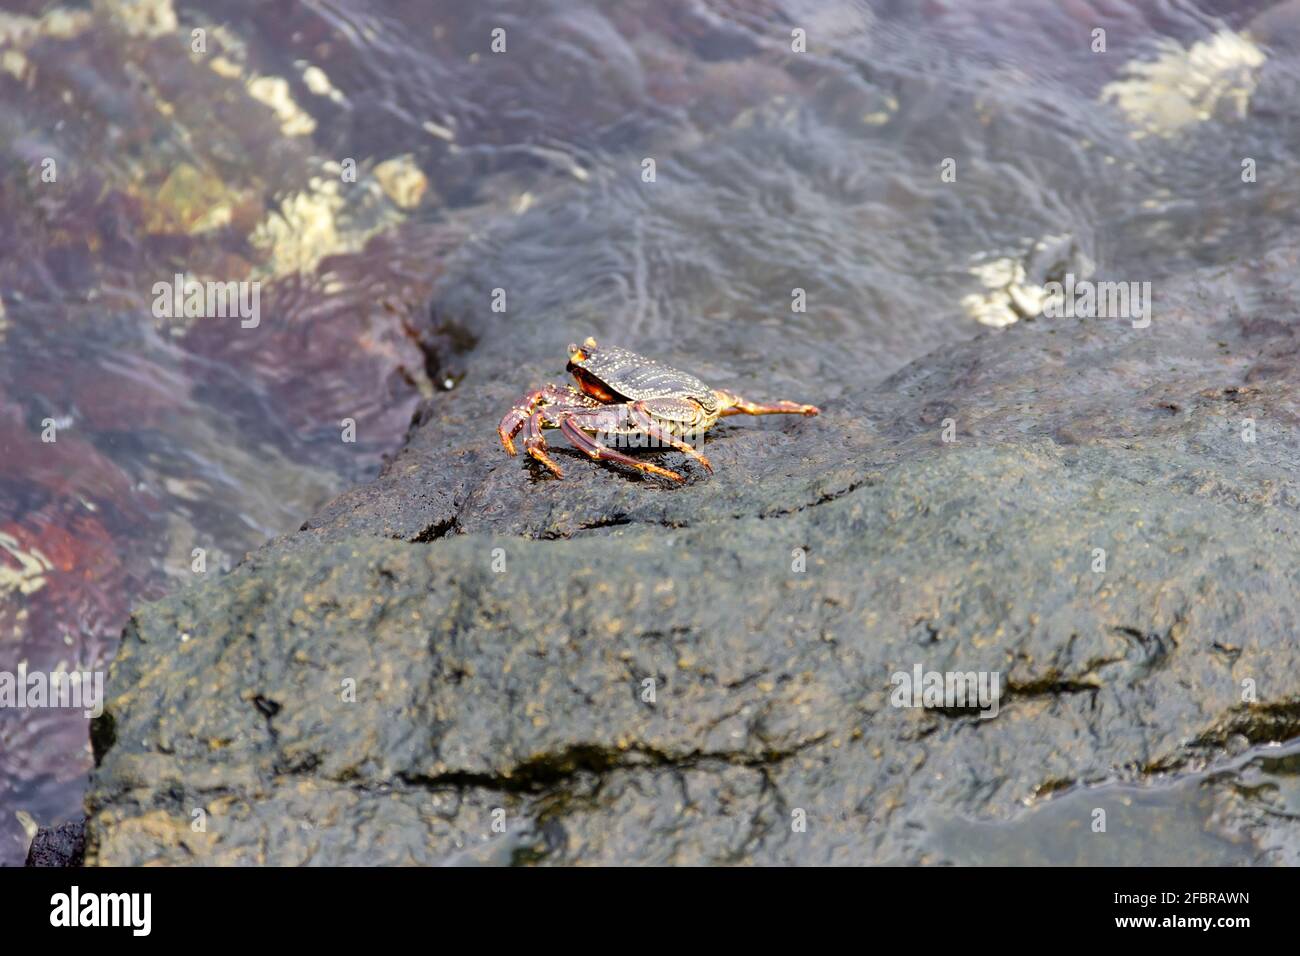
(576, 354)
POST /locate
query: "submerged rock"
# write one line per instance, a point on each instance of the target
(469, 661)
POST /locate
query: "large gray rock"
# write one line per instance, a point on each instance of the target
(467, 634)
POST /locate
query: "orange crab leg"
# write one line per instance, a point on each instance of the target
(595, 450)
(647, 424)
(733, 404)
(535, 443)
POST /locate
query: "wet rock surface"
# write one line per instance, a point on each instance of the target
(62, 845)
(454, 664)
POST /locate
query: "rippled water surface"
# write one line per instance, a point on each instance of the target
(524, 170)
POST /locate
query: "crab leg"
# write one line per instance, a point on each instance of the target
(733, 404)
(595, 450)
(534, 439)
(647, 424)
(535, 443)
(514, 419)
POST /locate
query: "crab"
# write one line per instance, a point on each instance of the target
(635, 399)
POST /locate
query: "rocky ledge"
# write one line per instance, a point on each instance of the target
(469, 661)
